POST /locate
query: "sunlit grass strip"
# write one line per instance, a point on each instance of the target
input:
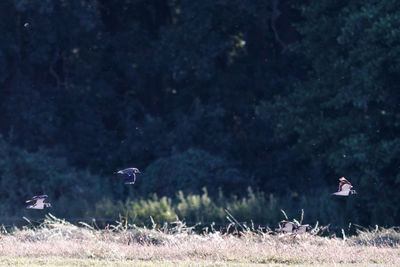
(124, 242)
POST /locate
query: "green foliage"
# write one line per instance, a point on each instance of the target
(193, 208)
(255, 207)
(24, 174)
(198, 208)
(159, 209)
(342, 118)
(284, 96)
(190, 171)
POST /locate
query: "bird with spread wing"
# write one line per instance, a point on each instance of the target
(345, 188)
(39, 203)
(129, 175)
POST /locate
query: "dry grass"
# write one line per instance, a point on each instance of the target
(57, 240)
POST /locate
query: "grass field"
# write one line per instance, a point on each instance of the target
(56, 242)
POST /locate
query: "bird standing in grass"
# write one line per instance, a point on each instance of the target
(345, 188)
(39, 203)
(286, 226)
(300, 229)
(129, 175)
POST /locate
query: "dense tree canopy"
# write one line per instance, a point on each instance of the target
(284, 96)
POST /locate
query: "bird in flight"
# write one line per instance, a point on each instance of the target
(39, 203)
(129, 175)
(345, 188)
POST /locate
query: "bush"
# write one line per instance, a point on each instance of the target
(198, 208)
(160, 210)
(24, 174)
(255, 207)
(193, 208)
(190, 171)
(139, 211)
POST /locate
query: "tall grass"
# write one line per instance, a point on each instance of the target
(177, 242)
(378, 236)
(193, 208)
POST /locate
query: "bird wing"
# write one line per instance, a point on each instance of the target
(131, 178)
(39, 197)
(346, 187)
(134, 170)
(36, 198)
(128, 175)
(39, 200)
(128, 171)
(283, 222)
(286, 223)
(344, 184)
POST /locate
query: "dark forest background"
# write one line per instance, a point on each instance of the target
(252, 105)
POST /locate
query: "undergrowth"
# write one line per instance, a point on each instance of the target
(192, 208)
(176, 241)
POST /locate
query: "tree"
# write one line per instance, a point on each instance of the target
(342, 119)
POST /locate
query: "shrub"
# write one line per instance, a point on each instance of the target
(138, 211)
(198, 208)
(189, 172)
(24, 174)
(193, 208)
(255, 207)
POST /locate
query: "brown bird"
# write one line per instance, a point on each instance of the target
(345, 188)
